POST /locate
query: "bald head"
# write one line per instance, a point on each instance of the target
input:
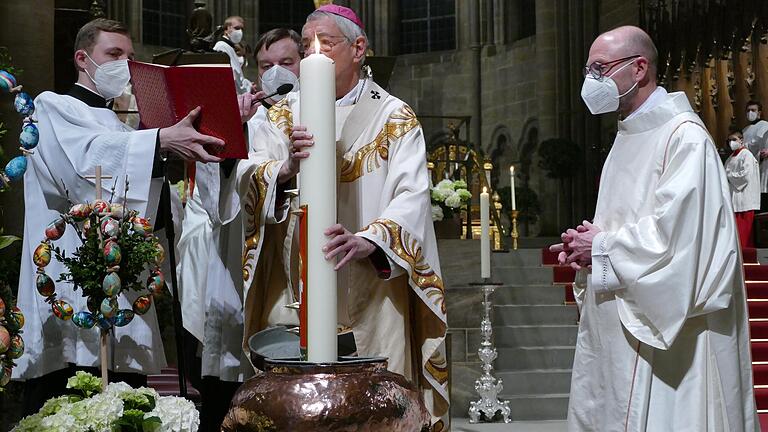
(627, 41)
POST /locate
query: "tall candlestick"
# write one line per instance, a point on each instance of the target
(485, 239)
(512, 186)
(318, 194)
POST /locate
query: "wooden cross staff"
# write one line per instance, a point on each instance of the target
(104, 365)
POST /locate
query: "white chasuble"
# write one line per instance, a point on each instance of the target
(74, 138)
(756, 139)
(663, 342)
(383, 196)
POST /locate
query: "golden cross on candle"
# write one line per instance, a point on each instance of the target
(97, 176)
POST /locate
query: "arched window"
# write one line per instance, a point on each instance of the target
(163, 22)
(427, 25)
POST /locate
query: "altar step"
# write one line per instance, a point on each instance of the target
(166, 383)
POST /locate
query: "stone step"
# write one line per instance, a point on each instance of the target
(528, 295)
(508, 315)
(535, 382)
(530, 358)
(538, 407)
(528, 336)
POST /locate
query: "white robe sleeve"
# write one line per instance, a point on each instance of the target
(677, 262)
(242, 84)
(738, 172)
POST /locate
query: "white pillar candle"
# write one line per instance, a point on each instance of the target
(318, 193)
(512, 186)
(485, 239)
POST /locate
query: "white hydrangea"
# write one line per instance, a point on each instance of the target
(62, 421)
(453, 200)
(177, 414)
(441, 194)
(437, 213)
(118, 388)
(98, 412)
(445, 185)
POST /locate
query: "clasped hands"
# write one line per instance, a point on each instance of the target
(576, 248)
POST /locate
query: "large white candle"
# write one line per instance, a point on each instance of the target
(318, 193)
(512, 186)
(485, 239)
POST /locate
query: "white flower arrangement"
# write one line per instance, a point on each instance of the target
(447, 197)
(119, 408)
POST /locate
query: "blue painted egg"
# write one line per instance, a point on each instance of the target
(45, 285)
(7, 81)
(84, 319)
(123, 317)
(17, 347)
(104, 322)
(24, 104)
(55, 229)
(111, 284)
(110, 227)
(62, 310)
(16, 168)
(29, 136)
(108, 307)
(142, 304)
(112, 253)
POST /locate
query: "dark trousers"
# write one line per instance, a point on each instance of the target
(39, 390)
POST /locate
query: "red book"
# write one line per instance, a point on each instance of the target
(166, 94)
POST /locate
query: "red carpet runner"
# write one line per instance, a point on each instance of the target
(756, 276)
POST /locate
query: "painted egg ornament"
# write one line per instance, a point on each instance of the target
(45, 285)
(84, 319)
(141, 226)
(112, 253)
(156, 282)
(29, 136)
(141, 305)
(104, 322)
(108, 307)
(80, 212)
(14, 319)
(2, 307)
(93, 304)
(101, 207)
(42, 255)
(117, 211)
(5, 339)
(16, 168)
(17, 347)
(123, 317)
(24, 104)
(5, 376)
(110, 227)
(160, 257)
(55, 229)
(7, 81)
(111, 284)
(62, 310)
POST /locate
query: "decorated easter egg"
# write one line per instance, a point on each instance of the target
(45, 285)
(2, 307)
(5, 376)
(141, 305)
(55, 229)
(108, 307)
(5, 339)
(62, 310)
(42, 255)
(160, 253)
(16, 168)
(103, 322)
(80, 212)
(155, 282)
(101, 207)
(84, 319)
(111, 284)
(29, 136)
(14, 319)
(93, 304)
(24, 104)
(112, 253)
(110, 227)
(123, 317)
(141, 225)
(7, 81)
(117, 211)
(17, 347)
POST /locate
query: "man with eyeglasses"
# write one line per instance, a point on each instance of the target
(663, 342)
(390, 289)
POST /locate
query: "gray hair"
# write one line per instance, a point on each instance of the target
(350, 30)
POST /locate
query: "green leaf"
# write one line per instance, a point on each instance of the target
(7, 240)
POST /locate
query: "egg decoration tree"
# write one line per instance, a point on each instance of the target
(117, 248)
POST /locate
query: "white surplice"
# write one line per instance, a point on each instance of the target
(383, 196)
(663, 342)
(242, 84)
(74, 138)
(743, 175)
(756, 139)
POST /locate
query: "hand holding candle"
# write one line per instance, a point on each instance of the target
(485, 240)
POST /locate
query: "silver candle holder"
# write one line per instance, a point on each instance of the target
(489, 407)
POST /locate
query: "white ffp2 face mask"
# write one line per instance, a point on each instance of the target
(735, 145)
(236, 36)
(276, 76)
(602, 96)
(111, 78)
(752, 116)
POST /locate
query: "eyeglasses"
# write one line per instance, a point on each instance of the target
(326, 42)
(598, 70)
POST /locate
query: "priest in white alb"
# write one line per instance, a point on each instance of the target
(391, 294)
(663, 341)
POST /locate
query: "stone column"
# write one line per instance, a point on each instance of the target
(475, 98)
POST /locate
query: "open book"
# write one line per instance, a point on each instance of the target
(166, 94)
